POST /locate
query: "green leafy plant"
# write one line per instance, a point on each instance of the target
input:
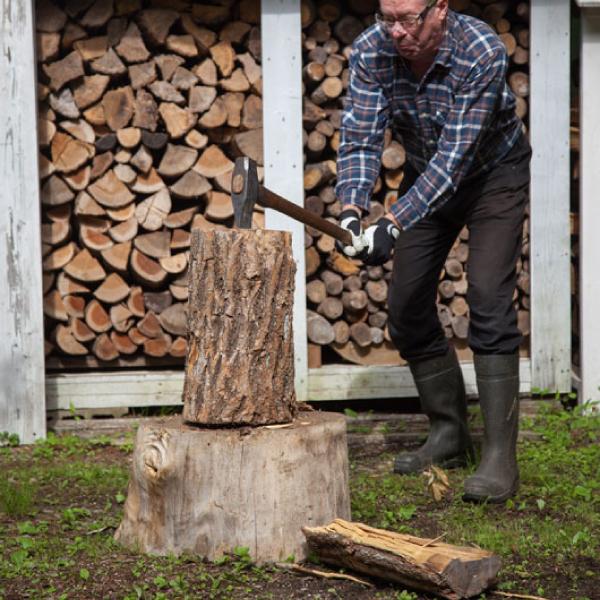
(9, 439)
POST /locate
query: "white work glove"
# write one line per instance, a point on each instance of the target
(350, 221)
(380, 240)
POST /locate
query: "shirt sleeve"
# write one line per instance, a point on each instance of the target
(461, 134)
(365, 118)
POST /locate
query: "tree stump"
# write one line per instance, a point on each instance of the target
(240, 360)
(209, 490)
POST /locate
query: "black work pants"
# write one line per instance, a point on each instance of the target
(492, 206)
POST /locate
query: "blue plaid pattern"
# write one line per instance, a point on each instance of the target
(459, 122)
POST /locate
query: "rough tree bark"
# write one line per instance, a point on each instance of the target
(240, 363)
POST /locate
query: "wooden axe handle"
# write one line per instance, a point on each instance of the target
(272, 200)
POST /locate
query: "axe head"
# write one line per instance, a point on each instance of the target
(244, 192)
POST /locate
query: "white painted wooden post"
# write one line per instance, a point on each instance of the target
(550, 178)
(282, 116)
(22, 399)
(589, 199)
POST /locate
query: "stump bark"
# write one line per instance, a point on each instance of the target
(240, 361)
(207, 491)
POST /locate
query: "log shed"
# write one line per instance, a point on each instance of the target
(549, 363)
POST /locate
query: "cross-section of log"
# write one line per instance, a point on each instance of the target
(240, 363)
(449, 571)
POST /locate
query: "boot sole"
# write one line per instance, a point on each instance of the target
(480, 499)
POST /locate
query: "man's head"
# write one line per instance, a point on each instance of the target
(416, 26)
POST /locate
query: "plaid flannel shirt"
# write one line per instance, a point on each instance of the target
(456, 123)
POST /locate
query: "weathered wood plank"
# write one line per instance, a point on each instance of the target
(22, 403)
(282, 142)
(164, 388)
(550, 240)
(589, 241)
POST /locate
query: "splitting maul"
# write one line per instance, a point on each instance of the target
(247, 192)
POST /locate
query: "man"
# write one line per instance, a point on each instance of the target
(438, 79)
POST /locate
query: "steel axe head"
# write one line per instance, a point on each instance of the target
(244, 192)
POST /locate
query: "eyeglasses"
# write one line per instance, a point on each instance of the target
(409, 22)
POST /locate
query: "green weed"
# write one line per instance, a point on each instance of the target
(16, 498)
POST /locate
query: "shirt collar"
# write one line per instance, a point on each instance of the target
(448, 46)
(386, 44)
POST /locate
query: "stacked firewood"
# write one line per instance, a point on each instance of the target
(347, 302)
(142, 109)
(143, 106)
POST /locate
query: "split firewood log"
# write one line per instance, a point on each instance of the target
(112, 290)
(96, 317)
(135, 302)
(84, 267)
(80, 331)
(104, 349)
(152, 212)
(146, 270)
(110, 192)
(213, 162)
(65, 340)
(122, 343)
(155, 244)
(54, 306)
(174, 264)
(157, 301)
(443, 569)
(177, 160)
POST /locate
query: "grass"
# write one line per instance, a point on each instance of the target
(61, 500)
(554, 519)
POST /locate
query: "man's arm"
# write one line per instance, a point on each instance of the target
(364, 122)
(466, 121)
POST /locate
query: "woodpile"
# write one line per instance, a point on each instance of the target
(347, 302)
(143, 108)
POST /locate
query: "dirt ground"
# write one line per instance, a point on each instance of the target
(61, 500)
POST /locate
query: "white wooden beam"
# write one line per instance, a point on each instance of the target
(550, 194)
(589, 240)
(22, 400)
(282, 117)
(97, 390)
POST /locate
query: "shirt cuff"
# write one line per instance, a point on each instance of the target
(409, 209)
(356, 197)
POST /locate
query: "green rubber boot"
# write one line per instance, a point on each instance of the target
(497, 477)
(441, 390)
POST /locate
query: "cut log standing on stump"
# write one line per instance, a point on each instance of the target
(452, 572)
(240, 364)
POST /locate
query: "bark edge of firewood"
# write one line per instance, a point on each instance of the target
(240, 359)
(449, 571)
